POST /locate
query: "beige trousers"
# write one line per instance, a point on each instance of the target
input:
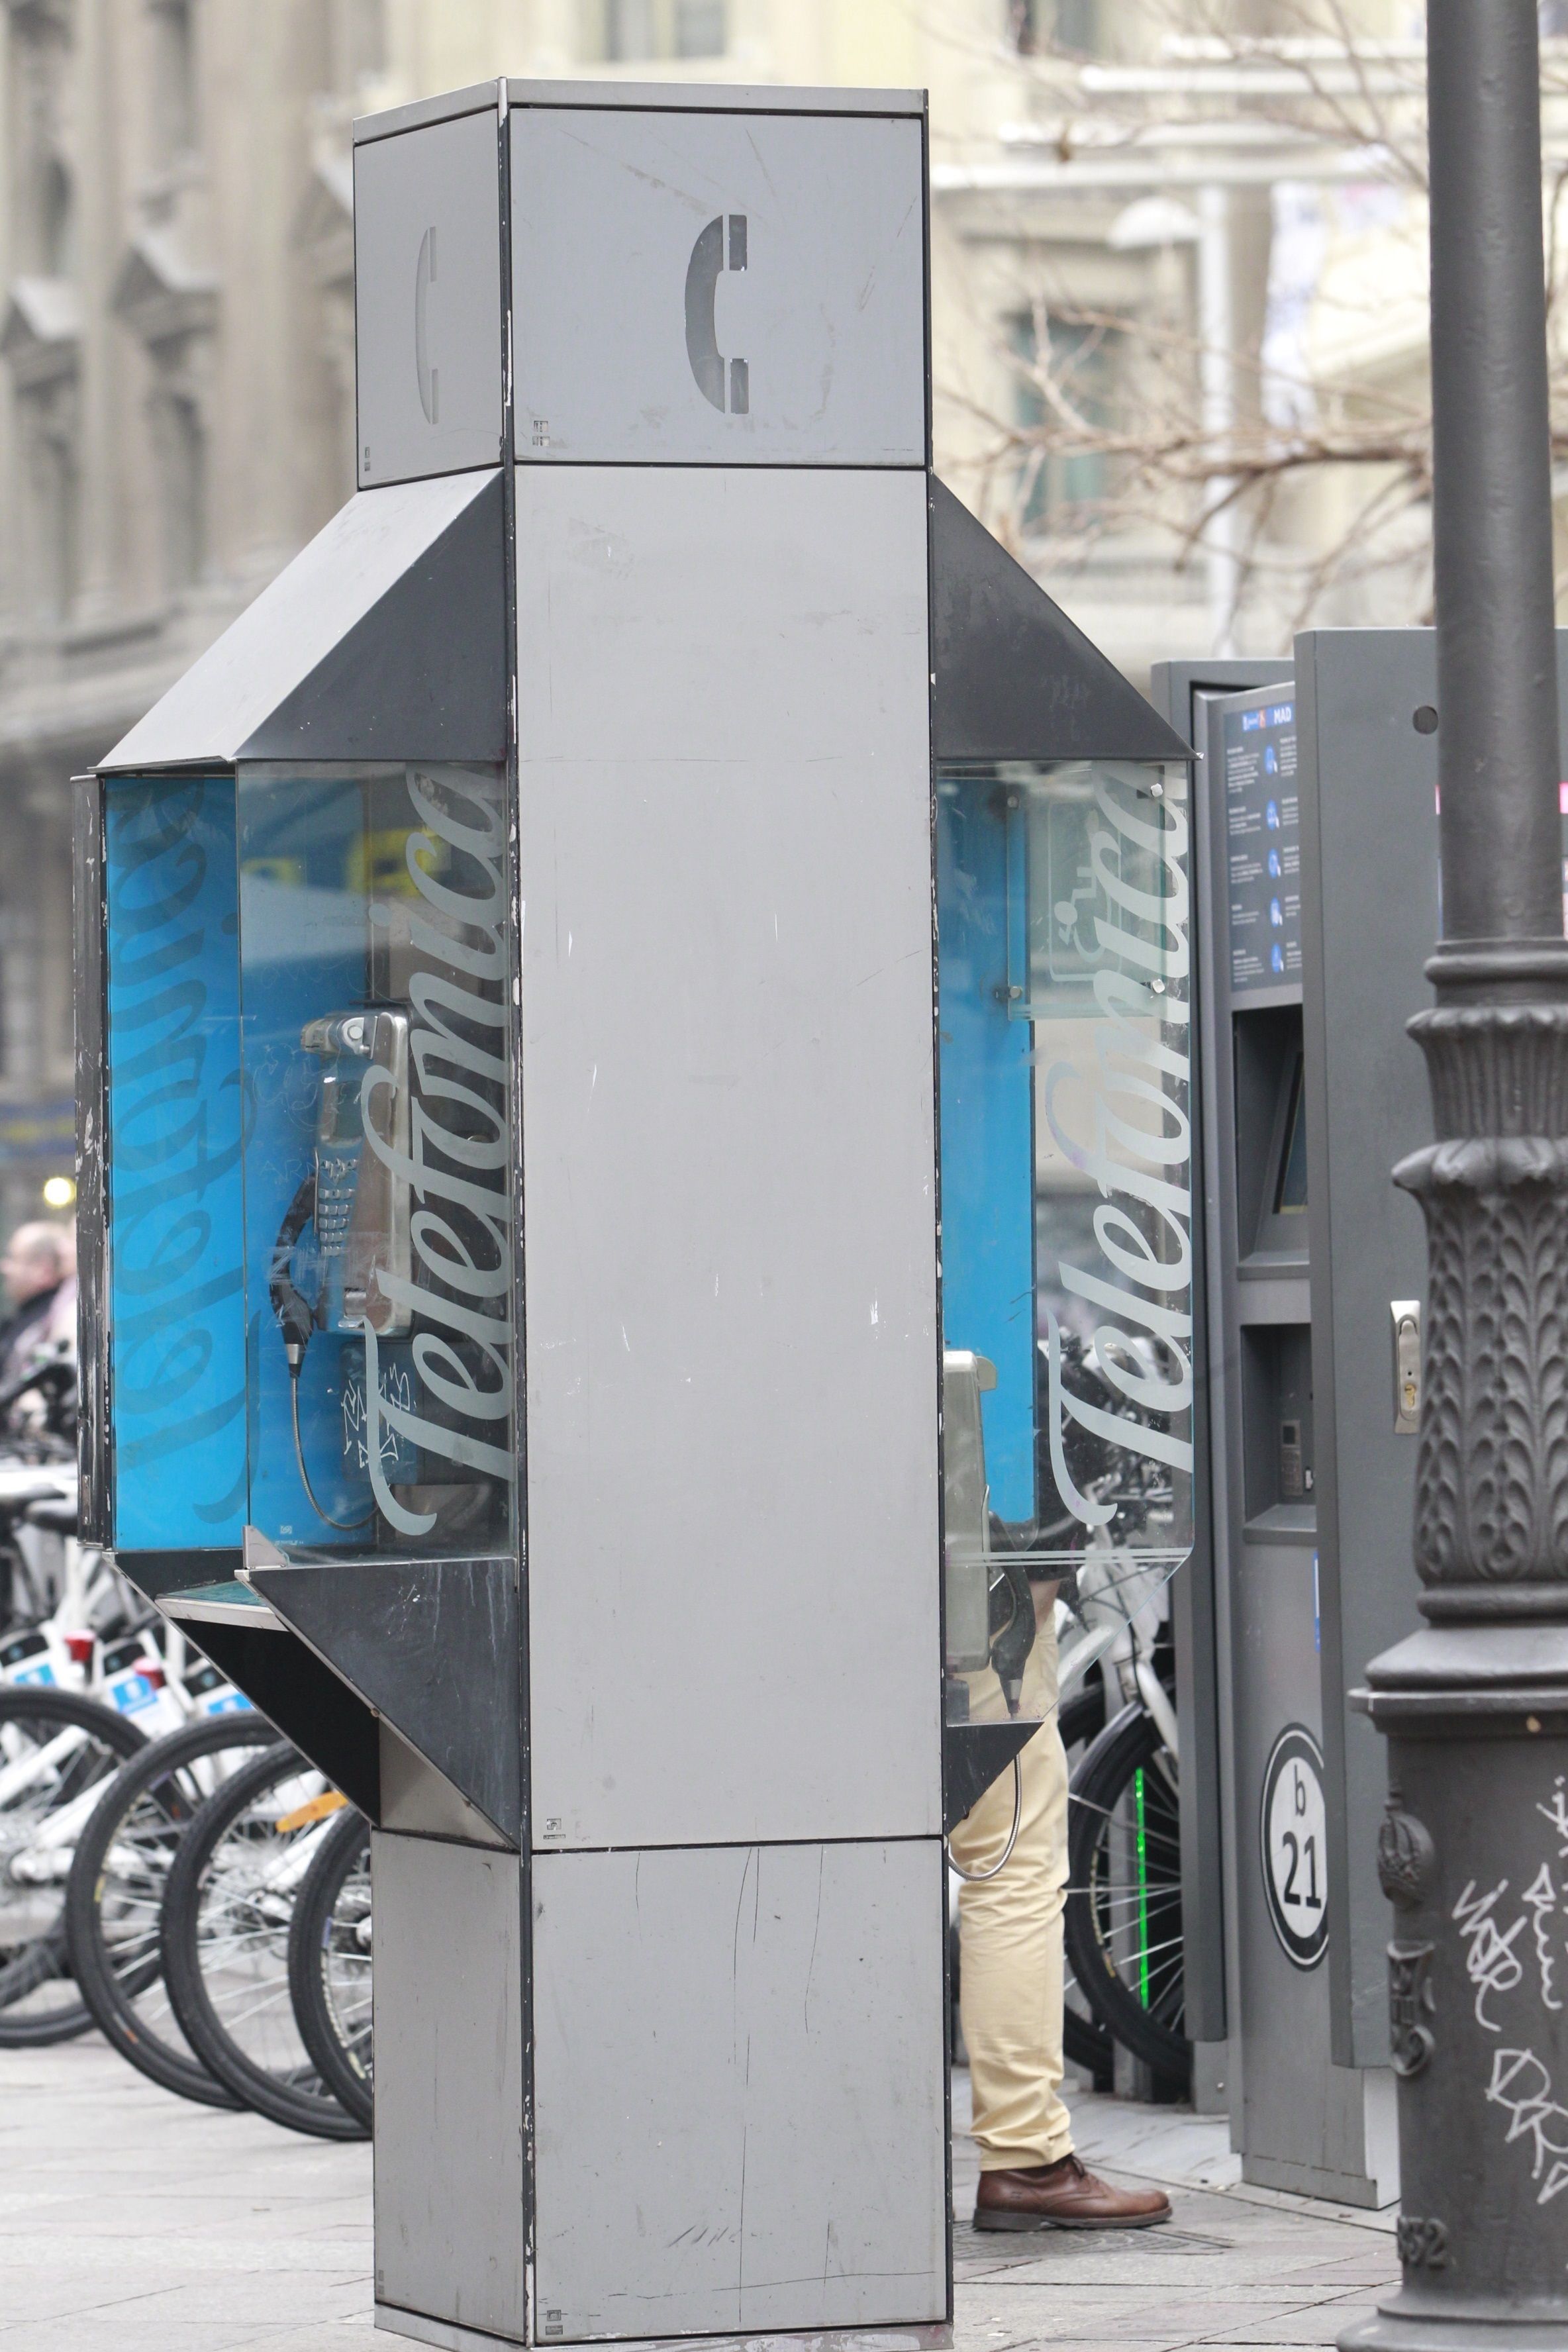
(1010, 1974)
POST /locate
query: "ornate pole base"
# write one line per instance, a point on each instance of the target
(1474, 1857)
(1473, 1854)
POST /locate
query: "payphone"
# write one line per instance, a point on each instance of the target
(509, 1197)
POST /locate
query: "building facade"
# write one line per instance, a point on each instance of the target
(176, 361)
(177, 366)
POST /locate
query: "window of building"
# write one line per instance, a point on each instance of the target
(173, 77)
(1065, 399)
(57, 219)
(624, 32)
(182, 453)
(1042, 27)
(37, 69)
(48, 414)
(57, 491)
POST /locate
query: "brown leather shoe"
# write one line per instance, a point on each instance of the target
(1064, 2196)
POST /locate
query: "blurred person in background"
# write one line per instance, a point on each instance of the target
(39, 1272)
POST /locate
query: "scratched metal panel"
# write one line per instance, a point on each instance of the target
(331, 661)
(739, 2090)
(427, 301)
(721, 289)
(728, 1156)
(449, 2185)
(433, 1646)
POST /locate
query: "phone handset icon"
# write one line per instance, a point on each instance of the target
(429, 377)
(708, 362)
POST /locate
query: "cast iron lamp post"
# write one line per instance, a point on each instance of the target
(1474, 1852)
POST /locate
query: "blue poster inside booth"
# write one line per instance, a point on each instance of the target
(176, 1148)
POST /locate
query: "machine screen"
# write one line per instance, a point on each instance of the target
(1263, 845)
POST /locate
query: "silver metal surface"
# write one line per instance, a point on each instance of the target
(427, 301)
(449, 2185)
(716, 97)
(447, 106)
(756, 2034)
(379, 1241)
(966, 1512)
(228, 695)
(419, 1802)
(221, 1604)
(648, 327)
(935, 2335)
(728, 1155)
(682, 97)
(1405, 1314)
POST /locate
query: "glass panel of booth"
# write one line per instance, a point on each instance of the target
(1066, 1256)
(308, 998)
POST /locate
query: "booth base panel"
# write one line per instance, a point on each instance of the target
(739, 2095)
(935, 2337)
(740, 2090)
(449, 2190)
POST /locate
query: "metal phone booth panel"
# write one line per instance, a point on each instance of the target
(509, 1157)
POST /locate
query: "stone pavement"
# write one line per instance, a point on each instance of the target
(1235, 2266)
(132, 2221)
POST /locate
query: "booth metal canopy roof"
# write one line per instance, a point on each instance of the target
(1014, 679)
(384, 638)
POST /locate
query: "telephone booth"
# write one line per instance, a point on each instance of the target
(509, 1199)
(1071, 1263)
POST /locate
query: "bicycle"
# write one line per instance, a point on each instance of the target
(115, 1892)
(226, 1915)
(58, 1749)
(330, 1964)
(1122, 1923)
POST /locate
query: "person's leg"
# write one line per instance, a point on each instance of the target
(1011, 1987)
(1010, 1974)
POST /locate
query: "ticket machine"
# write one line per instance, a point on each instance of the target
(1317, 841)
(509, 1198)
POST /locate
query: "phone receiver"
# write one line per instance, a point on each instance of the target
(708, 363)
(429, 377)
(296, 1316)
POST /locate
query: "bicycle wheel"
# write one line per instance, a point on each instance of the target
(116, 1892)
(1085, 2042)
(329, 1964)
(226, 1914)
(1123, 1922)
(57, 1749)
